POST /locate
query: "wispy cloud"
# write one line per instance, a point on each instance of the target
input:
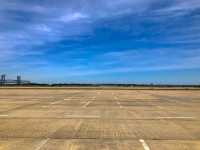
(153, 59)
(77, 16)
(153, 31)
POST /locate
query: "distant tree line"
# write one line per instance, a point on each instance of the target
(99, 85)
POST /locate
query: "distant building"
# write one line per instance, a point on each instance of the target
(3, 79)
(18, 81)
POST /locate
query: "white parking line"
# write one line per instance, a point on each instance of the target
(42, 144)
(56, 102)
(67, 99)
(78, 125)
(116, 98)
(3, 115)
(81, 116)
(120, 106)
(144, 144)
(87, 104)
(44, 106)
(175, 117)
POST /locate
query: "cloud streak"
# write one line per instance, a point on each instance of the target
(124, 35)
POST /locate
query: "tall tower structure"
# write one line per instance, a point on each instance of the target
(18, 80)
(3, 79)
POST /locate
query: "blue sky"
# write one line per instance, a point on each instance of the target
(101, 41)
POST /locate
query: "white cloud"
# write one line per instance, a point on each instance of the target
(153, 59)
(28, 24)
(73, 17)
(43, 28)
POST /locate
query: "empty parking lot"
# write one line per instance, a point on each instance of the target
(101, 119)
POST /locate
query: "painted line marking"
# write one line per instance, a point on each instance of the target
(77, 127)
(116, 98)
(55, 102)
(144, 144)
(81, 116)
(87, 104)
(175, 117)
(67, 99)
(42, 144)
(120, 106)
(44, 106)
(3, 115)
